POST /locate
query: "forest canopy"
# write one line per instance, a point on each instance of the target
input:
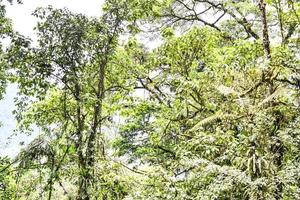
(211, 113)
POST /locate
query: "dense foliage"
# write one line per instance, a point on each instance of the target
(211, 113)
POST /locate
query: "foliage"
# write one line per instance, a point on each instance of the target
(216, 132)
(212, 113)
(7, 186)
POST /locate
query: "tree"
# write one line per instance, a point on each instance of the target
(218, 107)
(67, 74)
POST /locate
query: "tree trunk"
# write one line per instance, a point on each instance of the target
(266, 40)
(83, 179)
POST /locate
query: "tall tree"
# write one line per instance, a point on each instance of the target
(219, 105)
(66, 74)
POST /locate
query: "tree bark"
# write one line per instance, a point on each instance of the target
(83, 179)
(266, 40)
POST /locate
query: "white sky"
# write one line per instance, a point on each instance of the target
(23, 22)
